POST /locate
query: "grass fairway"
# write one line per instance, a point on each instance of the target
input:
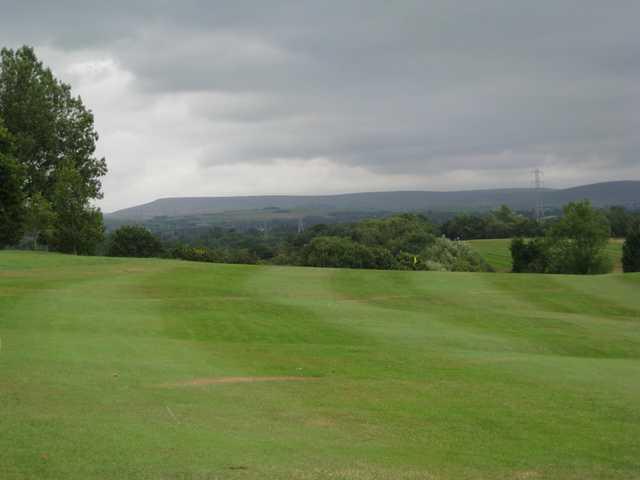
(497, 254)
(495, 251)
(157, 369)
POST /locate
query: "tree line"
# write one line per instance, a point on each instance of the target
(573, 243)
(506, 223)
(576, 244)
(399, 242)
(49, 172)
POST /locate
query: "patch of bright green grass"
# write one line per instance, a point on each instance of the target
(495, 252)
(409, 374)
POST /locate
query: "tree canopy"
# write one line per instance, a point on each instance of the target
(578, 239)
(12, 211)
(500, 223)
(53, 142)
(78, 227)
(573, 244)
(133, 241)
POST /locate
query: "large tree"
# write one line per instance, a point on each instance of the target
(77, 226)
(39, 219)
(577, 242)
(11, 197)
(53, 134)
(574, 244)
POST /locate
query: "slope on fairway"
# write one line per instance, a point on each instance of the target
(115, 368)
(497, 254)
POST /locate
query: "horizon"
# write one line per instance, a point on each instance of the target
(364, 192)
(611, 202)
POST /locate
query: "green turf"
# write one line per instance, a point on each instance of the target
(496, 252)
(410, 374)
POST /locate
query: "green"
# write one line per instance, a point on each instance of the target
(408, 374)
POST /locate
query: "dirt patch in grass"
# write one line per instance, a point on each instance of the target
(197, 382)
(135, 270)
(526, 475)
(19, 273)
(321, 422)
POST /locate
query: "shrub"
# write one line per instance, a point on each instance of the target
(576, 243)
(242, 255)
(406, 232)
(453, 256)
(198, 254)
(133, 241)
(344, 252)
(528, 257)
(566, 256)
(410, 261)
(631, 250)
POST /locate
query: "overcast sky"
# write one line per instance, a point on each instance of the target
(304, 97)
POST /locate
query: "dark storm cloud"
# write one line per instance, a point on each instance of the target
(397, 87)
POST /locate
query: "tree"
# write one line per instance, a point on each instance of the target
(11, 197)
(39, 219)
(405, 232)
(528, 256)
(78, 226)
(577, 241)
(342, 252)
(133, 241)
(500, 223)
(631, 250)
(621, 220)
(52, 131)
(50, 126)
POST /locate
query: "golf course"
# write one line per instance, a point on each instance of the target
(163, 369)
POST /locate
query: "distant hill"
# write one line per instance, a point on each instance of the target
(625, 193)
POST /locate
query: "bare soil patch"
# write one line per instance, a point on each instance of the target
(196, 382)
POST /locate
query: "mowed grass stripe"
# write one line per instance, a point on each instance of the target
(415, 374)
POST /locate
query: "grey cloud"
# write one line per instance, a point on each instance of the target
(395, 87)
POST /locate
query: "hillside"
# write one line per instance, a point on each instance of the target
(601, 194)
(158, 369)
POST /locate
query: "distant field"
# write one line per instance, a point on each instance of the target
(496, 252)
(159, 369)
